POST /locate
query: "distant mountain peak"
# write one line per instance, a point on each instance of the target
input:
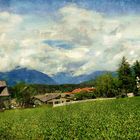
(26, 75)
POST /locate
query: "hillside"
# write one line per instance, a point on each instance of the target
(26, 75)
(110, 119)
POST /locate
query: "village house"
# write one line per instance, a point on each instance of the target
(130, 94)
(138, 82)
(138, 86)
(51, 99)
(4, 95)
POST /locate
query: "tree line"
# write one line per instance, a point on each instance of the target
(125, 82)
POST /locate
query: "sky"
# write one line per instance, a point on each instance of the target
(72, 36)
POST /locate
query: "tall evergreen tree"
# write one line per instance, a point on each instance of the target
(126, 80)
(136, 71)
(136, 68)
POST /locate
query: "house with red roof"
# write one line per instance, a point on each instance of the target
(78, 90)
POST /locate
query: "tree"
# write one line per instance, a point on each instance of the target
(23, 94)
(126, 80)
(136, 68)
(106, 86)
(136, 71)
(85, 95)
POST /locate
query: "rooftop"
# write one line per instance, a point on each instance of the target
(45, 98)
(87, 89)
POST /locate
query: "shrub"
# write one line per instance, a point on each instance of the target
(84, 95)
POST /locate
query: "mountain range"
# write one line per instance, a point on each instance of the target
(35, 77)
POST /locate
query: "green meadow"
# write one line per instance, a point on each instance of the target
(108, 119)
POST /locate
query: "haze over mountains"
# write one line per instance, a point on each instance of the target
(35, 77)
(62, 77)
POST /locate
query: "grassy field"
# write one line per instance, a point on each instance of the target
(111, 119)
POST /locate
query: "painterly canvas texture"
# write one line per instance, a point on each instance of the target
(69, 69)
(68, 38)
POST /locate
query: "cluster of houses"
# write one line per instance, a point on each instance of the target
(59, 98)
(51, 99)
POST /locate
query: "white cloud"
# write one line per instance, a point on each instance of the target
(99, 41)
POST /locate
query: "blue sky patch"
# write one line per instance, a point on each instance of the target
(59, 44)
